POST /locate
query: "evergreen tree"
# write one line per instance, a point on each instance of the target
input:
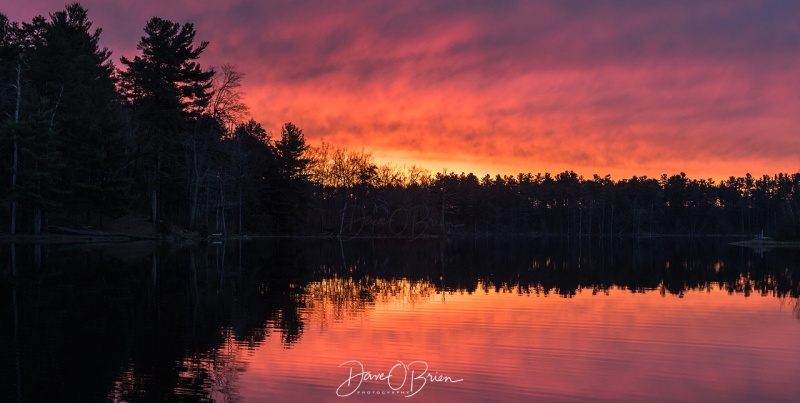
(254, 155)
(167, 89)
(290, 190)
(291, 150)
(28, 129)
(41, 162)
(76, 78)
(9, 55)
(9, 112)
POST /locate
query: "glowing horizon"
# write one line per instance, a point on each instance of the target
(643, 88)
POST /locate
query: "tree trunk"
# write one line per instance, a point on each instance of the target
(154, 199)
(15, 162)
(154, 206)
(13, 259)
(37, 220)
(195, 192)
(154, 269)
(222, 209)
(241, 210)
(611, 224)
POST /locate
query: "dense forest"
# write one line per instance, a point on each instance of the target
(83, 140)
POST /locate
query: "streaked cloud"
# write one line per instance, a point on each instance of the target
(620, 87)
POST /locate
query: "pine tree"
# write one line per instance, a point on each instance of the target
(27, 128)
(10, 97)
(41, 162)
(76, 77)
(290, 196)
(166, 89)
(254, 157)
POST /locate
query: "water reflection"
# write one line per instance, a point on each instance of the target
(137, 322)
(336, 299)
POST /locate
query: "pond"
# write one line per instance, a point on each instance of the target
(508, 319)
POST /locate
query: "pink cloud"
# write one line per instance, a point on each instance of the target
(628, 88)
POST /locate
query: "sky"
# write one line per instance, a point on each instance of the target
(626, 88)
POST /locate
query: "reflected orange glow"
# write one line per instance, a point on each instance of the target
(335, 300)
(636, 345)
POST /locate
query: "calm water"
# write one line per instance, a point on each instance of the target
(470, 320)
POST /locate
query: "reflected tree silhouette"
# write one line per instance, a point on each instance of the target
(136, 322)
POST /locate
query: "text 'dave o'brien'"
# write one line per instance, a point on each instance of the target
(401, 379)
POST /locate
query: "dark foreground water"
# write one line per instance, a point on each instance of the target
(462, 320)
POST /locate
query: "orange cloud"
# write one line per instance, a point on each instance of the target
(506, 87)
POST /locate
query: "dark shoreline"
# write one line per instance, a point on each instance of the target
(191, 237)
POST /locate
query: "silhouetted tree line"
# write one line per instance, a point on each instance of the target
(564, 204)
(82, 140)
